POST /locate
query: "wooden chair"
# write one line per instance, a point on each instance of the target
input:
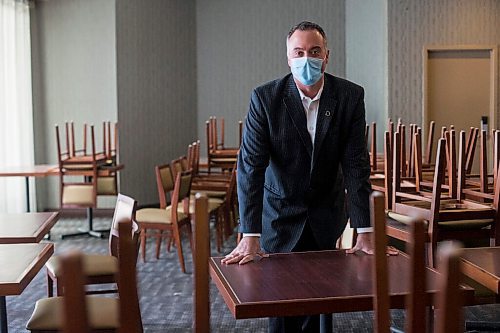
(74, 304)
(450, 299)
(104, 314)
(98, 268)
(415, 302)
(446, 219)
(165, 185)
(168, 218)
(381, 302)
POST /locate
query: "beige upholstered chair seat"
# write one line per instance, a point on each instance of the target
(106, 185)
(446, 225)
(157, 215)
(93, 265)
(78, 195)
(103, 313)
(83, 166)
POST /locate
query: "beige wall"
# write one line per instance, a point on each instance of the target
(74, 76)
(161, 67)
(241, 44)
(156, 84)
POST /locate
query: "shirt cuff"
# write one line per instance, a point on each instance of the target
(364, 230)
(247, 234)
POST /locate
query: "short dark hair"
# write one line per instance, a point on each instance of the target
(306, 25)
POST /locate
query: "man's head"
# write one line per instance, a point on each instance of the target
(307, 52)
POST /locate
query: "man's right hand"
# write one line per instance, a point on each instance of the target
(247, 250)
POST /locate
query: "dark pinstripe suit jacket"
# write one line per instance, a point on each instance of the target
(283, 181)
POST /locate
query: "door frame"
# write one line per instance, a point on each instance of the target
(493, 78)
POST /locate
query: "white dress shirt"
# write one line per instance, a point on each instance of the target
(311, 107)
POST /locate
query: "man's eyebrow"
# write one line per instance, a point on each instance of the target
(297, 48)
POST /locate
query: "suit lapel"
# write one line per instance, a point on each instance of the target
(326, 114)
(295, 110)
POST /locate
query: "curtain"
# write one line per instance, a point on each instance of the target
(16, 109)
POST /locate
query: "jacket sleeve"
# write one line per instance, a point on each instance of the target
(356, 168)
(253, 160)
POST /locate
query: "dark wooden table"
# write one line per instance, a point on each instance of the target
(19, 265)
(26, 227)
(310, 283)
(28, 171)
(483, 265)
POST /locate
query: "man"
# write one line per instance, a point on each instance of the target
(303, 149)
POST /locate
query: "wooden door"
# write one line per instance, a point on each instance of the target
(460, 87)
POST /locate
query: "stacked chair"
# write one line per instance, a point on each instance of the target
(176, 211)
(86, 174)
(441, 203)
(218, 155)
(450, 298)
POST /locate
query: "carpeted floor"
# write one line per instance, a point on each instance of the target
(166, 293)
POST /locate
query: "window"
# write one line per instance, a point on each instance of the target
(16, 110)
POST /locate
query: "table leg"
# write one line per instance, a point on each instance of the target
(325, 323)
(27, 194)
(3, 315)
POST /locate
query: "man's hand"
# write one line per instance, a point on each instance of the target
(247, 250)
(364, 243)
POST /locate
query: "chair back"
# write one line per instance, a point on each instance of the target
(130, 313)
(176, 166)
(75, 318)
(124, 212)
(181, 193)
(164, 183)
(380, 272)
(201, 295)
(450, 299)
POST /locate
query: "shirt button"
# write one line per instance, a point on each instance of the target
(311, 128)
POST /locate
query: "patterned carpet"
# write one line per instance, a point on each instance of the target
(166, 293)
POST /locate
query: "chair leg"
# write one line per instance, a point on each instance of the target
(430, 249)
(218, 230)
(190, 235)
(50, 286)
(178, 243)
(169, 240)
(227, 223)
(159, 237)
(143, 244)
(59, 288)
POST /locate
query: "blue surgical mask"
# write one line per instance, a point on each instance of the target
(306, 70)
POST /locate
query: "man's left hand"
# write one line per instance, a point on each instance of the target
(364, 243)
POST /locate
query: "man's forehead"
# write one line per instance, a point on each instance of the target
(302, 38)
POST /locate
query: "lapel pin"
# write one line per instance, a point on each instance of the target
(327, 113)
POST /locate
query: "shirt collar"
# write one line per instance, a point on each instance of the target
(315, 98)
